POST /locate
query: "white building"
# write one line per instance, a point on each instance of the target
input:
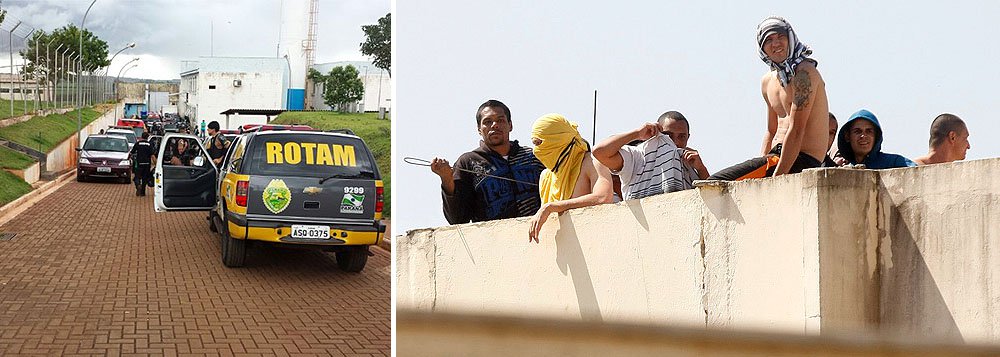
(378, 86)
(23, 89)
(216, 84)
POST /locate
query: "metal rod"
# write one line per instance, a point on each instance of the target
(422, 162)
(79, 111)
(593, 138)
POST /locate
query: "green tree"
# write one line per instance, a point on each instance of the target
(340, 87)
(378, 43)
(95, 50)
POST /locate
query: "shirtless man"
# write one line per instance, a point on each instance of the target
(949, 140)
(797, 109)
(572, 177)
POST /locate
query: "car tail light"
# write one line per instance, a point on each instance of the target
(242, 189)
(378, 199)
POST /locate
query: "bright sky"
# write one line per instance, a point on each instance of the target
(170, 31)
(906, 61)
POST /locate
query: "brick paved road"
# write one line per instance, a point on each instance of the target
(85, 276)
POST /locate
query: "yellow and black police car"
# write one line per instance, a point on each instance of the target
(306, 188)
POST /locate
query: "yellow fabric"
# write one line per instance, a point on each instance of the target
(557, 133)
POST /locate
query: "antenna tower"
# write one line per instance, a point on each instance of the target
(309, 48)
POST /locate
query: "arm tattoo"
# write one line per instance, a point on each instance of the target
(803, 88)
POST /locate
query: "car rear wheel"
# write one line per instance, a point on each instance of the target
(352, 259)
(234, 251)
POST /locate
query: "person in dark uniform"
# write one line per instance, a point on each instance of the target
(218, 145)
(142, 154)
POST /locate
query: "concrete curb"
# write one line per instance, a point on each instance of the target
(10, 211)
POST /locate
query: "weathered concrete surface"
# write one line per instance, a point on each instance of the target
(911, 251)
(29, 174)
(941, 250)
(646, 269)
(847, 203)
(745, 225)
(479, 335)
(735, 256)
(63, 157)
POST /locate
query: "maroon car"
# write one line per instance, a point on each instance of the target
(104, 156)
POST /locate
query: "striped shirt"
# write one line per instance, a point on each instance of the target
(653, 167)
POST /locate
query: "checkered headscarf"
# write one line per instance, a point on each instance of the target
(798, 51)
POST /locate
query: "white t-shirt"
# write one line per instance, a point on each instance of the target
(653, 167)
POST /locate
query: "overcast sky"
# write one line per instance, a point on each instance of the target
(169, 31)
(907, 61)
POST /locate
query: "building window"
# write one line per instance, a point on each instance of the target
(211, 86)
(4, 90)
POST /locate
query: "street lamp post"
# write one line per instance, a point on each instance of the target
(24, 76)
(130, 45)
(74, 62)
(115, 84)
(79, 110)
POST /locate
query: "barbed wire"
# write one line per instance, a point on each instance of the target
(19, 37)
(11, 20)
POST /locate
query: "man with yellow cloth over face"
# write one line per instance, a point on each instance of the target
(572, 178)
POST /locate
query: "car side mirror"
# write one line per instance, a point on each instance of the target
(198, 161)
(79, 149)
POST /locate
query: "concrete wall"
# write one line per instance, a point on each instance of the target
(484, 335)
(138, 90)
(941, 250)
(29, 175)
(258, 90)
(911, 251)
(64, 156)
(732, 257)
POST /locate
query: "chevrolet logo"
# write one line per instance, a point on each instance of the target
(312, 190)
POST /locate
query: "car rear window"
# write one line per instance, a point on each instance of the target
(128, 135)
(106, 144)
(311, 155)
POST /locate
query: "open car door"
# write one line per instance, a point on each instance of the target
(185, 178)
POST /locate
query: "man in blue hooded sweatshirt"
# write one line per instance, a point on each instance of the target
(860, 142)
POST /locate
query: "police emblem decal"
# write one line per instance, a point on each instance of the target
(277, 196)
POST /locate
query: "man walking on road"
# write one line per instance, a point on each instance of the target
(143, 155)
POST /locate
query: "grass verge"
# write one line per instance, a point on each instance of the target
(43, 133)
(11, 187)
(10, 159)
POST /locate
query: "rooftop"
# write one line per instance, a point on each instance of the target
(237, 65)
